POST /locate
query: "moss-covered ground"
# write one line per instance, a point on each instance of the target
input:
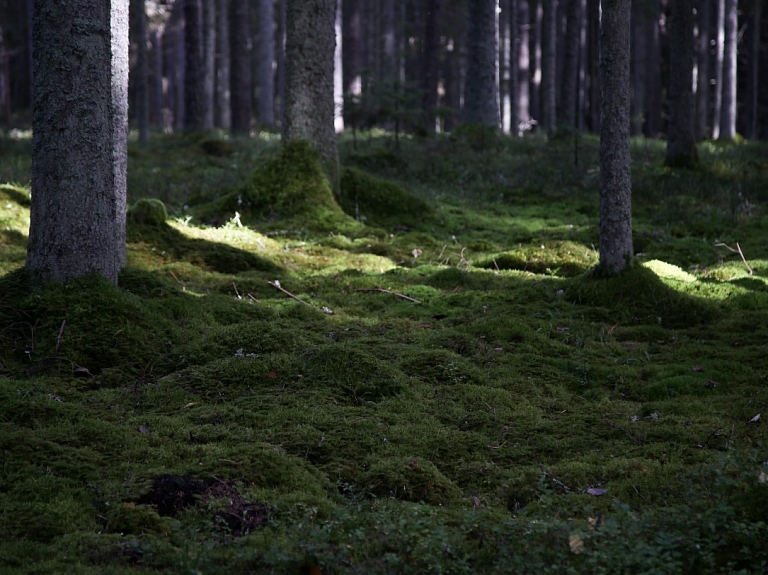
(419, 376)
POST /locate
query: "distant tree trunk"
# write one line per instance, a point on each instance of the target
(753, 43)
(524, 66)
(728, 112)
(338, 78)
(309, 53)
(593, 64)
(280, 58)
(142, 71)
(240, 78)
(702, 70)
(481, 94)
(514, 67)
(156, 79)
(265, 55)
(223, 117)
(639, 69)
(352, 69)
(549, 65)
(534, 60)
(681, 144)
(77, 223)
(570, 78)
(431, 63)
(717, 102)
(452, 80)
(615, 178)
(653, 89)
(209, 62)
(194, 88)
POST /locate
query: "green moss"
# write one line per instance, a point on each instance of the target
(148, 212)
(562, 258)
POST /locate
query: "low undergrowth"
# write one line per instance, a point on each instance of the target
(422, 378)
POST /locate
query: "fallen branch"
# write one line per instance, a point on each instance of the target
(382, 290)
(277, 286)
(736, 251)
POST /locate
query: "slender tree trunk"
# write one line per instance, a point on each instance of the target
(753, 40)
(570, 78)
(156, 79)
(582, 106)
(639, 70)
(431, 63)
(280, 58)
(615, 178)
(717, 102)
(593, 64)
(309, 55)
(534, 61)
(481, 93)
(223, 117)
(194, 89)
(265, 56)
(77, 223)
(653, 89)
(452, 79)
(524, 66)
(681, 144)
(240, 78)
(350, 58)
(549, 66)
(514, 67)
(338, 78)
(702, 70)
(142, 72)
(209, 62)
(728, 112)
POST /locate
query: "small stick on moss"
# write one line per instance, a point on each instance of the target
(237, 293)
(277, 286)
(58, 339)
(736, 251)
(250, 295)
(382, 290)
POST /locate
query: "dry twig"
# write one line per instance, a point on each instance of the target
(382, 290)
(736, 251)
(277, 286)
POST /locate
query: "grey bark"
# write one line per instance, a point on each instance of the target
(452, 80)
(194, 89)
(265, 57)
(223, 113)
(280, 58)
(514, 67)
(142, 72)
(717, 99)
(753, 34)
(593, 64)
(681, 144)
(209, 62)
(702, 70)
(388, 48)
(728, 111)
(549, 65)
(156, 79)
(481, 93)
(641, 19)
(309, 53)
(524, 66)
(80, 128)
(431, 63)
(615, 178)
(570, 77)
(240, 70)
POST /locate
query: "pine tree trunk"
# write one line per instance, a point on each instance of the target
(141, 71)
(615, 178)
(514, 67)
(702, 70)
(156, 80)
(223, 108)
(549, 65)
(728, 112)
(77, 223)
(194, 89)
(280, 59)
(570, 76)
(653, 89)
(452, 80)
(209, 62)
(265, 56)
(753, 67)
(240, 71)
(431, 63)
(681, 144)
(639, 69)
(717, 101)
(481, 93)
(593, 64)
(309, 53)
(524, 66)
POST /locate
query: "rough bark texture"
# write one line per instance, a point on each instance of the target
(142, 72)
(717, 100)
(481, 93)
(223, 113)
(240, 79)
(615, 177)
(80, 126)
(265, 57)
(209, 62)
(681, 144)
(194, 89)
(570, 78)
(728, 112)
(309, 52)
(431, 63)
(702, 70)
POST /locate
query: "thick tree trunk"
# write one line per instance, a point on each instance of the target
(265, 56)
(702, 70)
(240, 79)
(431, 63)
(717, 101)
(209, 62)
(309, 54)
(194, 89)
(481, 93)
(615, 178)
(223, 107)
(142, 72)
(549, 66)
(681, 144)
(570, 78)
(728, 112)
(80, 129)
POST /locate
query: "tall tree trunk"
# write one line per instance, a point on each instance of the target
(452, 79)
(549, 66)
(338, 78)
(570, 78)
(639, 69)
(280, 59)
(156, 79)
(209, 62)
(77, 223)
(431, 63)
(534, 60)
(309, 53)
(653, 88)
(240, 71)
(514, 67)
(265, 56)
(142, 71)
(753, 67)
(593, 64)
(481, 93)
(717, 101)
(681, 144)
(194, 89)
(702, 70)
(350, 59)
(615, 178)
(223, 108)
(728, 112)
(524, 66)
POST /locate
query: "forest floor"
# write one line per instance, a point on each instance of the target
(431, 382)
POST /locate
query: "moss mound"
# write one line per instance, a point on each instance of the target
(559, 258)
(410, 479)
(380, 202)
(291, 188)
(148, 212)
